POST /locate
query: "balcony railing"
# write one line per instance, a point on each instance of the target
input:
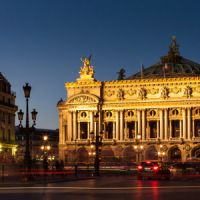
(7, 104)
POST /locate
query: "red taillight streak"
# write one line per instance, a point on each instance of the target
(148, 162)
(155, 168)
(139, 167)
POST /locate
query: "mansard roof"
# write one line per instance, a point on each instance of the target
(2, 78)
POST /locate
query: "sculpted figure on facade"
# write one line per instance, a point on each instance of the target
(164, 93)
(120, 94)
(142, 93)
(188, 92)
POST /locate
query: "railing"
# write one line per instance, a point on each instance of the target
(7, 104)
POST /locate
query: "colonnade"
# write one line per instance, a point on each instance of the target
(70, 129)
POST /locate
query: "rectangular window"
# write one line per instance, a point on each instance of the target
(175, 128)
(153, 129)
(131, 129)
(197, 127)
(83, 130)
(109, 130)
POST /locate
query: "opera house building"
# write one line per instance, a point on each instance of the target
(153, 114)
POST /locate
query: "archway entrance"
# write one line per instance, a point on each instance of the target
(151, 153)
(129, 155)
(196, 152)
(175, 154)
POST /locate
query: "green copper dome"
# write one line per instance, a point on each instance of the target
(171, 65)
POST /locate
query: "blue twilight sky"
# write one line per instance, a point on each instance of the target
(41, 42)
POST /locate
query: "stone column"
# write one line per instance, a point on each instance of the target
(121, 126)
(161, 125)
(139, 121)
(117, 125)
(114, 130)
(61, 132)
(181, 128)
(135, 129)
(91, 121)
(170, 129)
(166, 124)
(148, 131)
(189, 124)
(125, 134)
(184, 123)
(74, 126)
(69, 127)
(143, 125)
(158, 129)
(193, 129)
(79, 131)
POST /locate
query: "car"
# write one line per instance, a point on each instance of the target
(187, 168)
(153, 170)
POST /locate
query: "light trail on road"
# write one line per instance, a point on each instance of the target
(98, 188)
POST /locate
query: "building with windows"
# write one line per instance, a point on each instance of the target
(43, 142)
(7, 120)
(153, 114)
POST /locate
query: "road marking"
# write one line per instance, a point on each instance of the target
(101, 188)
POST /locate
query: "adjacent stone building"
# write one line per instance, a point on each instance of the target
(153, 114)
(7, 120)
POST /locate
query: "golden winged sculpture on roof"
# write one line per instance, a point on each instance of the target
(86, 61)
(86, 70)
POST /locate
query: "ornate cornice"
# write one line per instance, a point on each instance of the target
(83, 84)
(152, 81)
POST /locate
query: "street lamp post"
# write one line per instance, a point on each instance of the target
(91, 154)
(27, 129)
(97, 141)
(161, 153)
(45, 148)
(75, 160)
(138, 148)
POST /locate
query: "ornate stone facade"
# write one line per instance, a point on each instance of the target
(161, 107)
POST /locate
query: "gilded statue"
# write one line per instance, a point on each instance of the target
(86, 61)
(86, 71)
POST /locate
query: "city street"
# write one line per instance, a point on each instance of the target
(122, 187)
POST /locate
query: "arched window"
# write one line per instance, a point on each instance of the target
(152, 113)
(109, 114)
(175, 112)
(130, 113)
(83, 114)
(197, 111)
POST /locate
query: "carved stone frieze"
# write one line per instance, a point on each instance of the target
(153, 91)
(197, 89)
(131, 92)
(175, 90)
(109, 93)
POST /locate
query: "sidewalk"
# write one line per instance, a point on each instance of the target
(20, 182)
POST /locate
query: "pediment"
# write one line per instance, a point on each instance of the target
(83, 99)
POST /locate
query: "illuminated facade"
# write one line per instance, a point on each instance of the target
(7, 121)
(153, 114)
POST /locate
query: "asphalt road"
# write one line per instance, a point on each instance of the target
(111, 188)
